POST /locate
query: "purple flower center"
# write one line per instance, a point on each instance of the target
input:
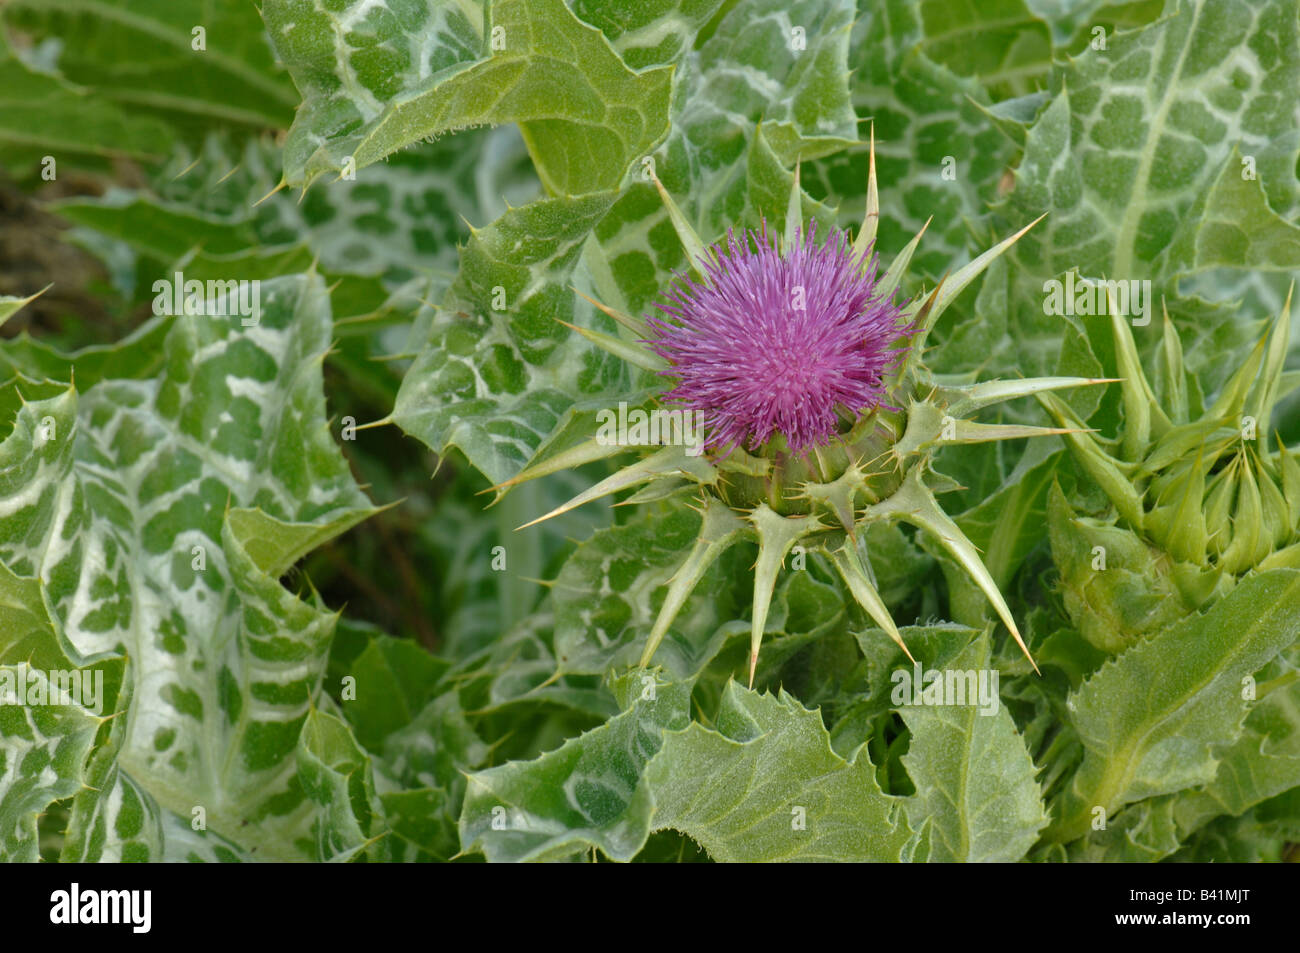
(774, 343)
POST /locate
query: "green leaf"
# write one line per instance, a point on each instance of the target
(422, 826)
(500, 370)
(480, 599)
(141, 55)
(114, 818)
(733, 790)
(1131, 146)
(519, 669)
(758, 88)
(610, 590)
(1075, 21)
(974, 779)
(400, 218)
(154, 515)
(588, 792)
(1115, 588)
(896, 561)
(336, 776)
(1254, 838)
(1002, 43)
(1155, 719)
(766, 786)
(435, 747)
(1235, 228)
(1136, 139)
(869, 690)
(392, 680)
(375, 79)
(649, 34)
(1144, 832)
(1262, 763)
(42, 116)
(43, 751)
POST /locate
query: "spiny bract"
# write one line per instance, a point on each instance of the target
(849, 440)
(1202, 496)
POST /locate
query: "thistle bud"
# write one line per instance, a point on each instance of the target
(1204, 495)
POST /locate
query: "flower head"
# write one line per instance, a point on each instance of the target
(789, 340)
(777, 340)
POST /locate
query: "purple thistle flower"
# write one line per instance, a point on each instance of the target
(775, 343)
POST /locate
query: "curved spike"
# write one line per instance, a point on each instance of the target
(739, 461)
(1271, 380)
(1276, 524)
(1232, 399)
(588, 451)
(794, 211)
(721, 527)
(967, 399)
(840, 495)
(866, 236)
(654, 491)
(670, 461)
(963, 277)
(887, 285)
(1185, 438)
(1110, 474)
(1187, 537)
(849, 563)
(1139, 402)
(776, 534)
(1220, 498)
(1172, 370)
(919, 315)
(1288, 383)
(696, 251)
(629, 351)
(10, 306)
(914, 503)
(1288, 558)
(635, 325)
(970, 431)
(925, 422)
(283, 184)
(1290, 470)
(1248, 546)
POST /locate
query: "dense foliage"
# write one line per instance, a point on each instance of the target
(308, 305)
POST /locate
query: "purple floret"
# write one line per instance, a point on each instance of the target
(753, 364)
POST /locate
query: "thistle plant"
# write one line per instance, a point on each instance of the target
(1199, 497)
(820, 414)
